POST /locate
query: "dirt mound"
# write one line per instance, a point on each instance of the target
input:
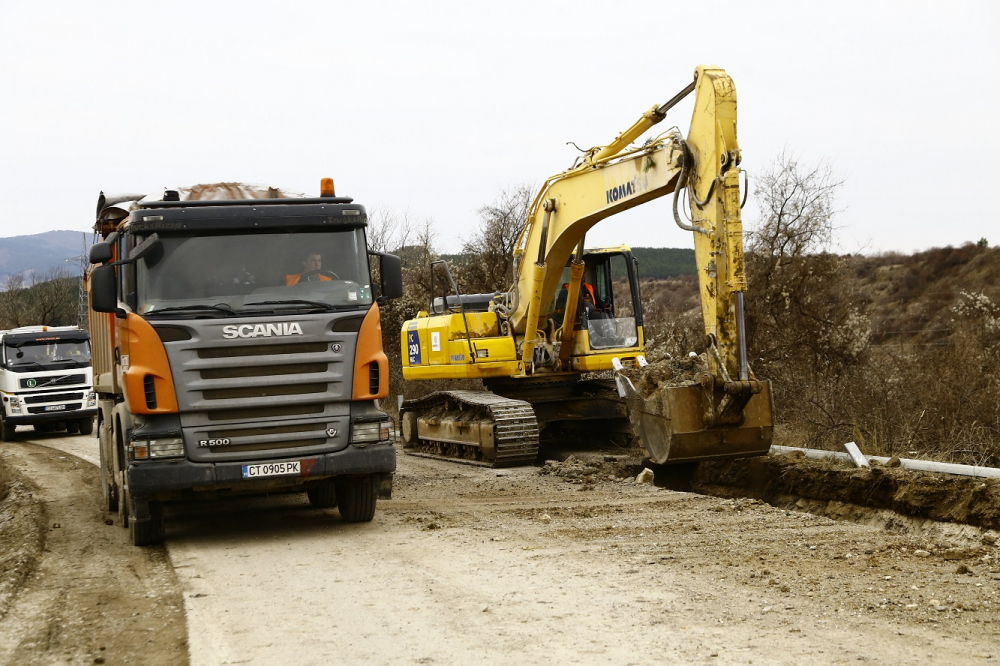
(668, 372)
(588, 471)
(939, 497)
(22, 522)
(237, 191)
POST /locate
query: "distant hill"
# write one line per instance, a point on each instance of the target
(660, 263)
(41, 253)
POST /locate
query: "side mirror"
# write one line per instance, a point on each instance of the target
(391, 273)
(103, 289)
(100, 253)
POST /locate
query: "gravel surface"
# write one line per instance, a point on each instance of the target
(90, 596)
(578, 565)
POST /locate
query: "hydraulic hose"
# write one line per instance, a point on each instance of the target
(682, 183)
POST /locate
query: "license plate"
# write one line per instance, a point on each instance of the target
(272, 469)
(54, 408)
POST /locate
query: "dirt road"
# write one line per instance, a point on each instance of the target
(91, 597)
(467, 564)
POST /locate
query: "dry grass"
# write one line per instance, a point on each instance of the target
(898, 353)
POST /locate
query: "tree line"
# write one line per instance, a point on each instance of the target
(49, 299)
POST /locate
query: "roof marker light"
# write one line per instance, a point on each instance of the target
(326, 187)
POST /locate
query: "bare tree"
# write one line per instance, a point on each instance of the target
(388, 231)
(796, 206)
(487, 255)
(53, 298)
(49, 300)
(13, 305)
(795, 306)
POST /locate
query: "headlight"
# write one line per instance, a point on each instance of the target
(372, 431)
(167, 447)
(15, 405)
(91, 399)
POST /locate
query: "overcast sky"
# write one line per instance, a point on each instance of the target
(431, 108)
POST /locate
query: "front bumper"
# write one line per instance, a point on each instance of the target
(47, 417)
(181, 478)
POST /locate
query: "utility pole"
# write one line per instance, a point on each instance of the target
(83, 306)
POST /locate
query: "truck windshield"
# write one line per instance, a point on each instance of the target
(223, 275)
(48, 355)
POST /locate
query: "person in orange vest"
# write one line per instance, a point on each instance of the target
(312, 269)
(591, 304)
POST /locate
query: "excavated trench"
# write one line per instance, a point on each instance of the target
(889, 498)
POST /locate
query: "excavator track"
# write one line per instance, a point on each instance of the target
(506, 423)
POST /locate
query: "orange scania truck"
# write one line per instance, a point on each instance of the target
(237, 349)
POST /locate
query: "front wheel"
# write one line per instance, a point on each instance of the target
(323, 496)
(8, 431)
(109, 488)
(356, 497)
(148, 532)
(87, 426)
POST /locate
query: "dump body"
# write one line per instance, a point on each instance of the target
(46, 380)
(226, 367)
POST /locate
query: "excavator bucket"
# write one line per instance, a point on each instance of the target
(677, 424)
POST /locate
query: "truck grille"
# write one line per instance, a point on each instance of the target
(266, 397)
(261, 350)
(259, 381)
(51, 397)
(268, 438)
(45, 382)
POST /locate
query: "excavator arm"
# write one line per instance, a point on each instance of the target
(676, 422)
(614, 178)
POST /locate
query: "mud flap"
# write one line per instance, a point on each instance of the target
(671, 422)
(384, 486)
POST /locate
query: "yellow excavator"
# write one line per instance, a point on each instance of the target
(572, 311)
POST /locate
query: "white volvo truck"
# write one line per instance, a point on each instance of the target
(46, 380)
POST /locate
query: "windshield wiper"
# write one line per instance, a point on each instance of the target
(219, 307)
(326, 307)
(18, 364)
(71, 360)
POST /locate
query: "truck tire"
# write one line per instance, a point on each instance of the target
(73, 427)
(323, 496)
(122, 500)
(8, 431)
(87, 426)
(356, 497)
(110, 492)
(108, 471)
(148, 532)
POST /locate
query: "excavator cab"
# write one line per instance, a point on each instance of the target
(609, 310)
